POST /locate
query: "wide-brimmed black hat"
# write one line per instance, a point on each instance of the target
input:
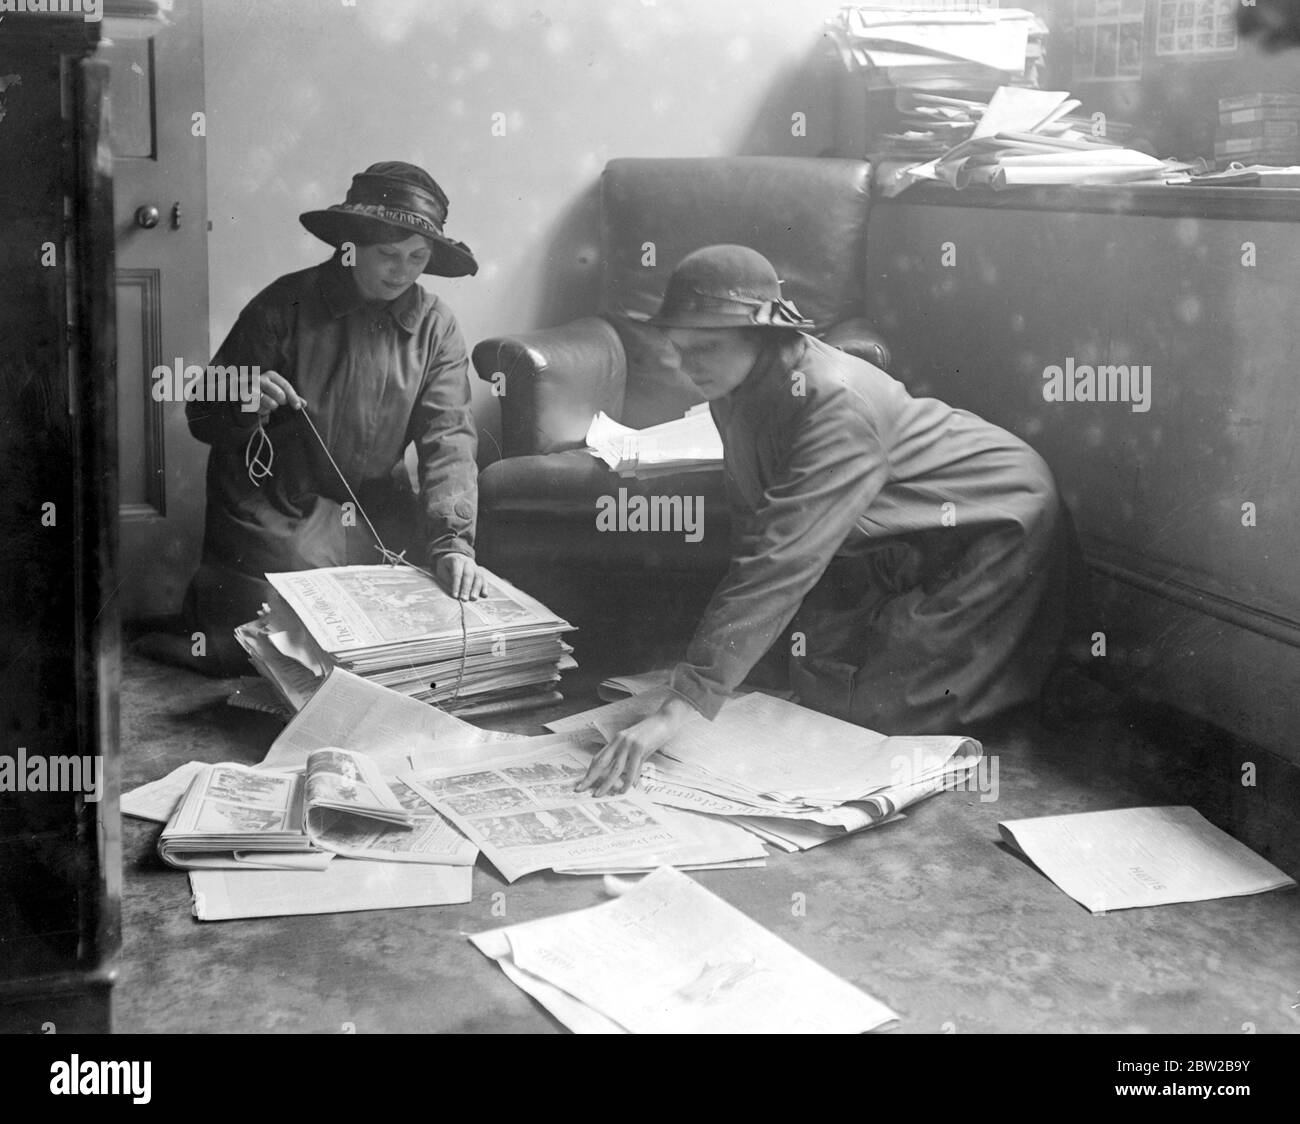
(726, 287)
(395, 194)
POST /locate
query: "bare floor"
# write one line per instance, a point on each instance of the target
(933, 915)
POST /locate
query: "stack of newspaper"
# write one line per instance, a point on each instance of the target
(395, 626)
(794, 777)
(687, 444)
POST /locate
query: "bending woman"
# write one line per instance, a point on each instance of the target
(920, 553)
(379, 363)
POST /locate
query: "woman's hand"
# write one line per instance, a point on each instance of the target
(460, 576)
(275, 391)
(617, 767)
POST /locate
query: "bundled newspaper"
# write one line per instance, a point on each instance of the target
(395, 626)
(793, 776)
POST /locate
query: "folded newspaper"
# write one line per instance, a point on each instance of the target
(395, 626)
(668, 957)
(233, 816)
(793, 776)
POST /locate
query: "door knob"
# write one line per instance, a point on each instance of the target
(146, 217)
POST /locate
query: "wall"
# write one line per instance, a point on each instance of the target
(303, 93)
(1196, 594)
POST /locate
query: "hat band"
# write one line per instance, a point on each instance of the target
(392, 215)
(754, 310)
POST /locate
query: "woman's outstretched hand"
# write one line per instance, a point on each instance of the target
(617, 767)
(460, 576)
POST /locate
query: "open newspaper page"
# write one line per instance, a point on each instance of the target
(670, 957)
(523, 812)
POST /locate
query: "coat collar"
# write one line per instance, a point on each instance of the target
(341, 297)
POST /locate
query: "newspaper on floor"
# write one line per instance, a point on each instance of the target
(343, 887)
(764, 759)
(158, 799)
(430, 838)
(669, 957)
(522, 809)
(1135, 857)
(365, 718)
(396, 626)
(233, 814)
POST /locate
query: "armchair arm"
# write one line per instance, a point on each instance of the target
(857, 337)
(551, 382)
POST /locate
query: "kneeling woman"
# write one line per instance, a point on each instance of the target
(919, 553)
(377, 362)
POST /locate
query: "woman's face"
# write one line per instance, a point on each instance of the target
(386, 270)
(716, 360)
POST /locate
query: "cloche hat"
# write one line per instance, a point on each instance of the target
(726, 286)
(392, 193)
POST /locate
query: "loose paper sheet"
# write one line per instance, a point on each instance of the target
(670, 957)
(157, 800)
(355, 714)
(344, 886)
(1141, 856)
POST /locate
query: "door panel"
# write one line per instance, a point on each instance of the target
(162, 300)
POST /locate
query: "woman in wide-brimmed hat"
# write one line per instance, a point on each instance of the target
(379, 363)
(920, 553)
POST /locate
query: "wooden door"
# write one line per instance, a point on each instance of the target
(160, 226)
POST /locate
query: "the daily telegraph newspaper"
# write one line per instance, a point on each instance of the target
(346, 608)
(235, 816)
(522, 810)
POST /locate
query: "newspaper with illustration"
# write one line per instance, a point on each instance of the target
(522, 810)
(234, 815)
(354, 608)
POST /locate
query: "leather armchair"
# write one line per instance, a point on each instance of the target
(538, 504)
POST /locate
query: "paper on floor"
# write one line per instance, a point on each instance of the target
(344, 886)
(361, 716)
(157, 800)
(1134, 857)
(670, 957)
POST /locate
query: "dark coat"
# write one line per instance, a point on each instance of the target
(375, 379)
(920, 552)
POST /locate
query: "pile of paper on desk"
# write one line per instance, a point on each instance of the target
(668, 957)
(939, 50)
(793, 776)
(687, 444)
(395, 626)
(520, 806)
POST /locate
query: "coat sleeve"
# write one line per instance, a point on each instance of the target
(446, 442)
(835, 467)
(256, 340)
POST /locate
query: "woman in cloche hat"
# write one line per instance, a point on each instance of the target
(904, 564)
(378, 362)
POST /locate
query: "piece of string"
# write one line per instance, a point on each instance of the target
(258, 460)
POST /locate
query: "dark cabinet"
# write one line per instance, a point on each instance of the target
(60, 860)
